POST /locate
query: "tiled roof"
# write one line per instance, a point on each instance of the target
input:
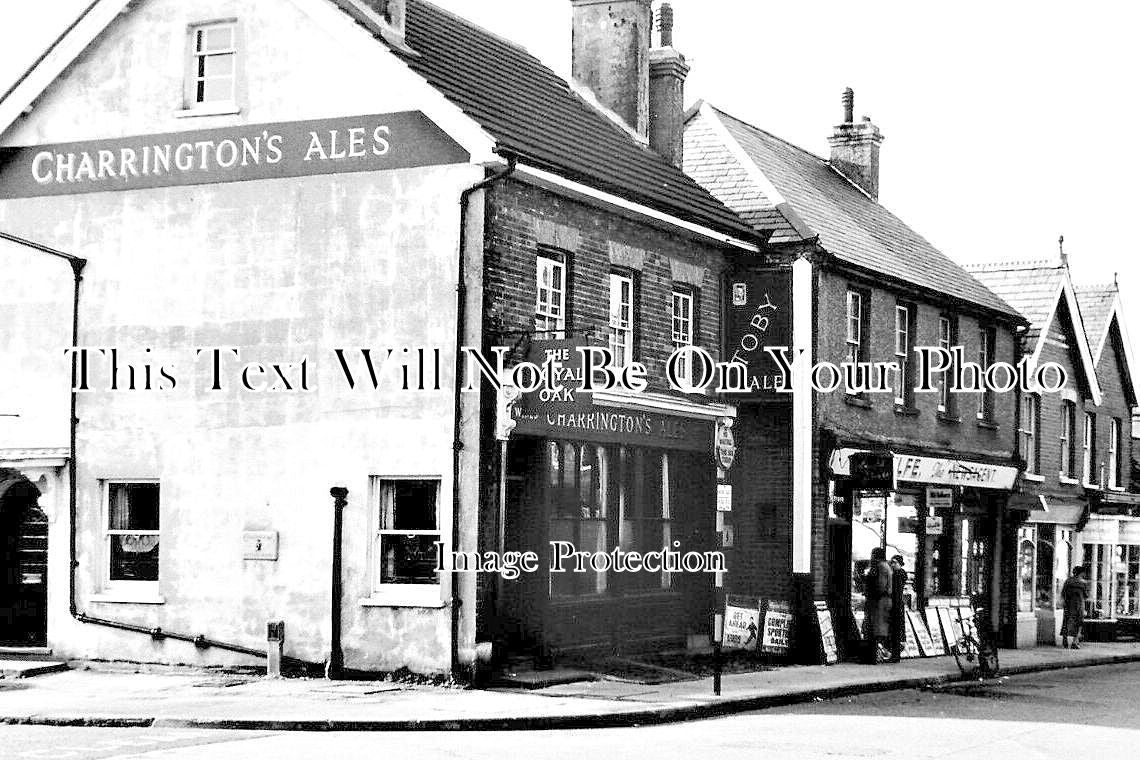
(532, 112)
(1028, 286)
(1096, 303)
(851, 226)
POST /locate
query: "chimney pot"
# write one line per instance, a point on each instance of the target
(855, 148)
(667, 73)
(611, 40)
(848, 106)
(665, 24)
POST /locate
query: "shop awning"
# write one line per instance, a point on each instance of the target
(1057, 511)
(936, 471)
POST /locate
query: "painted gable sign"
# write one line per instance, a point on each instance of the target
(228, 154)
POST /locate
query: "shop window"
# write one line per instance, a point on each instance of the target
(550, 304)
(904, 334)
(947, 335)
(407, 541)
(1114, 452)
(1068, 435)
(1127, 571)
(1098, 565)
(683, 323)
(578, 482)
(132, 536)
(1026, 568)
(621, 318)
(1029, 447)
(646, 512)
(1090, 449)
(1046, 561)
(212, 76)
(986, 338)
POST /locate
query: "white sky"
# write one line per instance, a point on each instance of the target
(1005, 121)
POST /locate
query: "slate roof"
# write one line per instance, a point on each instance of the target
(1096, 303)
(850, 225)
(532, 112)
(1028, 286)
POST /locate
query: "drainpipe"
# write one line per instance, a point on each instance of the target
(77, 266)
(460, 331)
(335, 667)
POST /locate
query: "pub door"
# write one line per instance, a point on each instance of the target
(23, 563)
(522, 604)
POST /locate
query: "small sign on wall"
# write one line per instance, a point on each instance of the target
(259, 545)
(723, 497)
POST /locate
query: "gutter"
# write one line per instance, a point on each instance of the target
(77, 266)
(460, 331)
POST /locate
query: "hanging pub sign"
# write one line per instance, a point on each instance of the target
(777, 627)
(228, 154)
(759, 315)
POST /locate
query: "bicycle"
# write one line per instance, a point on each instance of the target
(976, 650)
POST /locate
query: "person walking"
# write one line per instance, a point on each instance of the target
(877, 610)
(1073, 596)
(898, 607)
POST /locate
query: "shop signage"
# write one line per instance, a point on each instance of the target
(933, 625)
(777, 625)
(741, 623)
(228, 154)
(723, 497)
(575, 415)
(925, 642)
(725, 444)
(759, 316)
(918, 469)
(939, 498)
(933, 525)
(826, 634)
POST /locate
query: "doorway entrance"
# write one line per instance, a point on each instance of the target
(23, 562)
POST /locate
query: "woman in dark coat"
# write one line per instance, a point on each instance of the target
(877, 610)
(1073, 596)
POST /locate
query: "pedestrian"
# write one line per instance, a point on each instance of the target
(898, 607)
(877, 609)
(1073, 596)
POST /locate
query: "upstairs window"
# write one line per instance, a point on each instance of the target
(1114, 453)
(904, 333)
(621, 318)
(1030, 422)
(1068, 436)
(986, 338)
(212, 79)
(550, 305)
(854, 327)
(1090, 449)
(683, 329)
(947, 335)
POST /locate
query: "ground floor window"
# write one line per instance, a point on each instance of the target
(132, 535)
(405, 545)
(1114, 580)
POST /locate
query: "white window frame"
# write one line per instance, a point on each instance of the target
(682, 328)
(622, 318)
(1028, 433)
(120, 591)
(985, 358)
(550, 299)
(854, 331)
(1114, 429)
(1068, 440)
(902, 352)
(191, 106)
(945, 335)
(1089, 453)
(403, 594)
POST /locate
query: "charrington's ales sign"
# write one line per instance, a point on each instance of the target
(228, 154)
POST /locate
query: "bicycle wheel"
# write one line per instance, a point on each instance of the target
(966, 653)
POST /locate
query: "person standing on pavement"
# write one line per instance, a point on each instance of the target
(898, 607)
(1073, 596)
(877, 609)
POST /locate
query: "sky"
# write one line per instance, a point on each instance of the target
(1005, 121)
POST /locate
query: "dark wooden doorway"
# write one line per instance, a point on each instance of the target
(23, 563)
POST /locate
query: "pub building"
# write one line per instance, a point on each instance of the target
(213, 189)
(862, 287)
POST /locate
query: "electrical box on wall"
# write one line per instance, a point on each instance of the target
(259, 545)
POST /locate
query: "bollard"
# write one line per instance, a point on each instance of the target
(275, 644)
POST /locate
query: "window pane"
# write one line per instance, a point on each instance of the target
(216, 89)
(134, 557)
(408, 559)
(217, 65)
(414, 506)
(216, 38)
(133, 506)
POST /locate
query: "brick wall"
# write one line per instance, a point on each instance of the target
(1114, 403)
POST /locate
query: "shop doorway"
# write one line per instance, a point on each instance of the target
(23, 563)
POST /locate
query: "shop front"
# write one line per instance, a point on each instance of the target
(1109, 550)
(616, 494)
(1045, 557)
(943, 516)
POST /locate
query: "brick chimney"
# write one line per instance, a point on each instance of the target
(855, 148)
(667, 72)
(611, 55)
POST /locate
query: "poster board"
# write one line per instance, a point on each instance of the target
(937, 640)
(951, 626)
(910, 642)
(827, 643)
(777, 626)
(925, 642)
(741, 622)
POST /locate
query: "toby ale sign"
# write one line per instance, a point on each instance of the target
(758, 316)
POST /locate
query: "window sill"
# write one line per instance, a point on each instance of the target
(123, 597)
(949, 419)
(987, 425)
(1067, 481)
(858, 401)
(1034, 477)
(905, 411)
(428, 597)
(214, 109)
(1116, 489)
(1091, 486)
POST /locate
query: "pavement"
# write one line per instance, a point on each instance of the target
(115, 697)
